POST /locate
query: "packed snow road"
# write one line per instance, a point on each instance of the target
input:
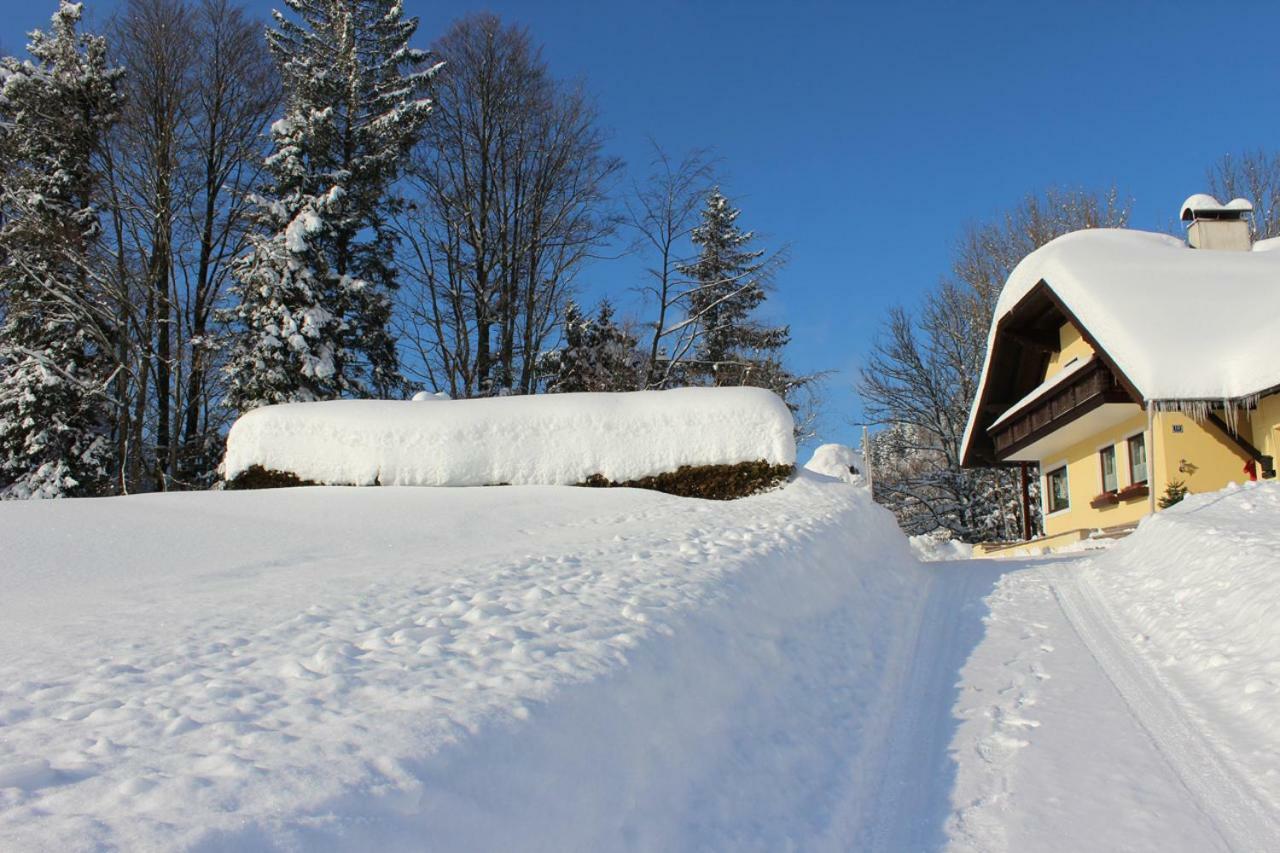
(1029, 721)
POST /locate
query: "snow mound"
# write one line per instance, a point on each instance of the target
(557, 669)
(930, 548)
(837, 460)
(547, 439)
(1198, 586)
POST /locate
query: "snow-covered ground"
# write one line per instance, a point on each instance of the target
(505, 668)
(1113, 700)
(544, 668)
(930, 548)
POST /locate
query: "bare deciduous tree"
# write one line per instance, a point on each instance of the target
(509, 183)
(199, 93)
(921, 376)
(662, 213)
(235, 93)
(1254, 175)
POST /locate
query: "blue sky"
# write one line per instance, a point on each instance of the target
(866, 136)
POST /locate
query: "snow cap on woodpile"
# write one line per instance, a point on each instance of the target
(546, 439)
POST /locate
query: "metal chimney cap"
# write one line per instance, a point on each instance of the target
(1206, 206)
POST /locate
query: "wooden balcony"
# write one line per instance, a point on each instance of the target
(1056, 406)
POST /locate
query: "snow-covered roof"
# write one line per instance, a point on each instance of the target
(1178, 323)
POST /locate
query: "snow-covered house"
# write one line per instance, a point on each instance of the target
(1122, 363)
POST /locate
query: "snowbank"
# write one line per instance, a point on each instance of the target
(525, 668)
(839, 461)
(931, 549)
(549, 439)
(1198, 586)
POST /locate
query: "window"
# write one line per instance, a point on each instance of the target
(1138, 459)
(1057, 482)
(1108, 457)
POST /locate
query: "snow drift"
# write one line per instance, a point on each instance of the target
(839, 461)
(1198, 587)
(548, 439)
(527, 668)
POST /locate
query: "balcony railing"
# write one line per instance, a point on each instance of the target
(1084, 391)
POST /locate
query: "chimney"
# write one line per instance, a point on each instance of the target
(1214, 225)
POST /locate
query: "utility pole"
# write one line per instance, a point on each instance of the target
(866, 462)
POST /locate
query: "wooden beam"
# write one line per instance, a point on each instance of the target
(1038, 343)
(1266, 463)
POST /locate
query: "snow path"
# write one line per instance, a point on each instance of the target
(915, 749)
(1026, 721)
(1236, 808)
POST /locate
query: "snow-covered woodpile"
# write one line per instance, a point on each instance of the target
(740, 439)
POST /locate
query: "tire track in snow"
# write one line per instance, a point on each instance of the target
(914, 760)
(1228, 801)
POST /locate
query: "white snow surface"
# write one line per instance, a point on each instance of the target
(1181, 323)
(532, 668)
(544, 439)
(1198, 586)
(839, 461)
(930, 548)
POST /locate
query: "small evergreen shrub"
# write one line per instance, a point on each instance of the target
(1173, 493)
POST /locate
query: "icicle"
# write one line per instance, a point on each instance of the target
(1200, 410)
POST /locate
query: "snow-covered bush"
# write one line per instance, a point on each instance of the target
(557, 439)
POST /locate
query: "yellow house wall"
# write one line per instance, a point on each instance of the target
(1201, 457)
(1197, 455)
(1266, 427)
(1084, 481)
(1070, 345)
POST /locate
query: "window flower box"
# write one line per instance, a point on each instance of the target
(1137, 490)
(1104, 500)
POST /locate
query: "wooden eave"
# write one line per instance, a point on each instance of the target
(1024, 339)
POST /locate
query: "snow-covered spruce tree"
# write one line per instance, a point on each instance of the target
(55, 111)
(729, 278)
(314, 289)
(598, 354)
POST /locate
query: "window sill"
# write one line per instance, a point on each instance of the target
(1105, 499)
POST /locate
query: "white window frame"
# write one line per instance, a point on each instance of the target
(1044, 488)
(1102, 481)
(1128, 457)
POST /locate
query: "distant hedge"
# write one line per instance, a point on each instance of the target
(711, 482)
